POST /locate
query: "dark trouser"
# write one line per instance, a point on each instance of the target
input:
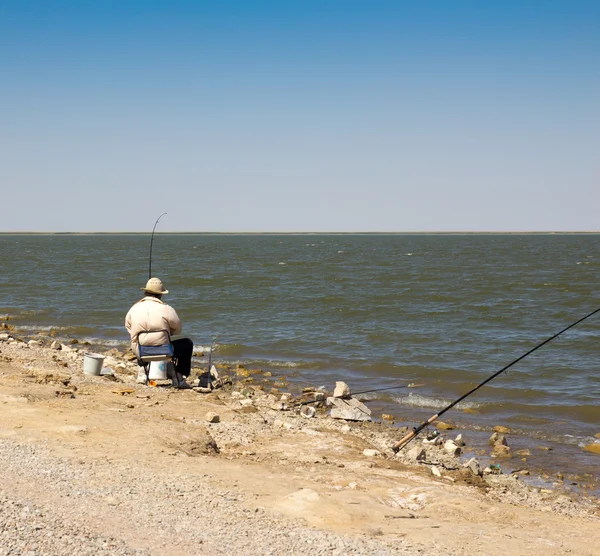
(182, 358)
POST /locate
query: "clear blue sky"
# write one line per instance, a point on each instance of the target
(300, 115)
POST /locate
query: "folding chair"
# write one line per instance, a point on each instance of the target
(147, 354)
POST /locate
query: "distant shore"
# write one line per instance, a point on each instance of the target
(415, 233)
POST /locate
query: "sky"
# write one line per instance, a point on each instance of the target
(299, 116)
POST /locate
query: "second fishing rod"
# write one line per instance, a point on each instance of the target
(412, 434)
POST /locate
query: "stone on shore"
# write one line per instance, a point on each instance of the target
(451, 448)
(593, 448)
(497, 439)
(473, 466)
(441, 426)
(435, 471)
(56, 345)
(371, 453)
(349, 410)
(502, 430)
(597, 435)
(501, 451)
(417, 454)
(212, 417)
(387, 417)
(342, 390)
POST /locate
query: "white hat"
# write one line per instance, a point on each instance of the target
(155, 285)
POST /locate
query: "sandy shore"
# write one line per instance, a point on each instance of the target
(101, 465)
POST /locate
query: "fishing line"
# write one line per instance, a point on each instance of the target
(404, 441)
(411, 385)
(152, 241)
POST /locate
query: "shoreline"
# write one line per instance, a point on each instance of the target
(541, 463)
(325, 476)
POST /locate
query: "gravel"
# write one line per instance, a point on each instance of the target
(53, 506)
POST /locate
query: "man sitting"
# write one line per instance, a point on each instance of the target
(151, 322)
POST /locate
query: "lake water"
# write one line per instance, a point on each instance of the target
(444, 311)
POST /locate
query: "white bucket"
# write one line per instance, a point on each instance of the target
(92, 363)
(158, 370)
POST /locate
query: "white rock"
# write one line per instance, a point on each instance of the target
(34, 343)
(451, 448)
(473, 465)
(4, 337)
(279, 406)
(435, 471)
(417, 454)
(459, 440)
(342, 390)
(433, 442)
(246, 401)
(371, 453)
(212, 417)
(56, 345)
(349, 410)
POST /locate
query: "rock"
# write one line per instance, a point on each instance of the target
(342, 390)
(441, 426)
(473, 466)
(286, 397)
(502, 430)
(279, 406)
(4, 337)
(597, 435)
(593, 448)
(308, 389)
(308, 411)
(387, 417)
(417, 454)
(501, 451)
(459, 440)
(212, 417)
(246, 402)
(435, 441)
(34, 343)
(55, 345)
(435, 471)
(349, 410)
(370, 453)
(451, 448)
(496, 439)
(523, 453)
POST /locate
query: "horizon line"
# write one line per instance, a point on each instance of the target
(414, 232)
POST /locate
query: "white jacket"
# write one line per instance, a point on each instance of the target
(151, 322)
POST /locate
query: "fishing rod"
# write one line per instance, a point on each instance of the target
(411, 385)
(151, 241)
(416, 430)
